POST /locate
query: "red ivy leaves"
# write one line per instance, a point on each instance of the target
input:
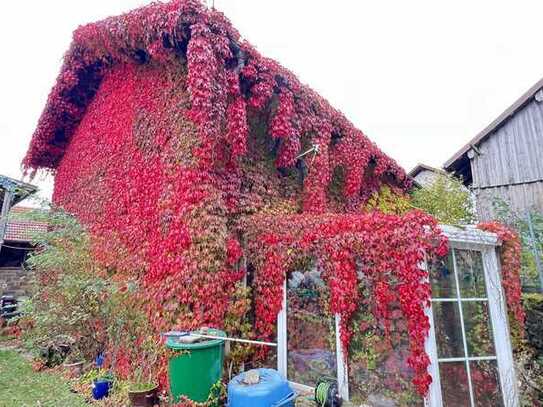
(146, 128)
(382, 245)
(510, 266)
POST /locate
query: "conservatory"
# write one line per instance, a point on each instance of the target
(468, 343)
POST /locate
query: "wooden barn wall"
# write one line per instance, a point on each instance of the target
(520, 197)
(510, 163)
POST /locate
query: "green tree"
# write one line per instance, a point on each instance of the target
(529, 226)
(447, 199)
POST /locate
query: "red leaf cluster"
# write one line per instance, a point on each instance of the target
(387, 248)
(510, 267)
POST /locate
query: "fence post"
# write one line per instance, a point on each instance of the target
(535, 250)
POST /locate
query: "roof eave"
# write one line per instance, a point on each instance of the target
(452, 165)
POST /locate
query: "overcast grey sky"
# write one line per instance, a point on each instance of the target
(420, 78)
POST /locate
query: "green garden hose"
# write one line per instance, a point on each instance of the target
(326, 393)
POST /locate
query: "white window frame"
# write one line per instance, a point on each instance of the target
(470, 238)
(282, 352)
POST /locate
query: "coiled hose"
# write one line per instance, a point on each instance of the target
(326, 393)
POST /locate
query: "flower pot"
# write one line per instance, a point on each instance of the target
(74, 369)
(100, 388)
(143, 398)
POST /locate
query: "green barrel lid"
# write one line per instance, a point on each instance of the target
(173, 343)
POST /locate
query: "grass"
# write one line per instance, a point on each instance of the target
(22, 387)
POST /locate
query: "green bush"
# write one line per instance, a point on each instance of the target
(533, 305)
(531, 239)
(447, 199)
(64, 307)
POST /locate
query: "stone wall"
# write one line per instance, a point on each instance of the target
(14, 281)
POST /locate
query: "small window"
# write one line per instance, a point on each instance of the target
(308, 336)
(311, 330)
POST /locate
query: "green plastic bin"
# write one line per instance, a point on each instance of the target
(195, 367)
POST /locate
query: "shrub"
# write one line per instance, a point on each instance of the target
(66, 290)
(446, 199)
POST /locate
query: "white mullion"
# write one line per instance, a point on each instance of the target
(282, 334)
(461, 299)
(434, 397)
(464, 340)
(470, 359)
(342, 372)
(444, 299)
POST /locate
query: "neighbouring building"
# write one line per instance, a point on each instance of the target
(15, 237)
(201, 168)
(504, 161)
(424, 175)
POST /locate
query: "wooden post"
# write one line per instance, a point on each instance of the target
(6, 205)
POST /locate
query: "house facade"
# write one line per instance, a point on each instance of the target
(233, 196)
(504, 160)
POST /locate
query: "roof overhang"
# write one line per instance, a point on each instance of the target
(459, 162)
(423, 167)
(19, 189)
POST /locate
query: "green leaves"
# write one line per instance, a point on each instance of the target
(447, 199)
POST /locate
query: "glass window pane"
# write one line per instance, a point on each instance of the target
(471, 277)
(448, 330)
(311, 331)
(454, 384)
(478, 328)
(486, 383)
(442, 278)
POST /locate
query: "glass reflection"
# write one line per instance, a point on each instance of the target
(486, 383)
(478, 328)
(469, 265)
(311, 330)
(448, 329)
(442, 278)
(454, 384)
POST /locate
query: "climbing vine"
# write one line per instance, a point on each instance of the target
(510, 267)
(386, 248)
(182, 149)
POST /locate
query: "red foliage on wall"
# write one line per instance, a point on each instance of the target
(388, 248)
(166, 133)
(510, 266)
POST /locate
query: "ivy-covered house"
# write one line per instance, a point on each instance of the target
(237, 197)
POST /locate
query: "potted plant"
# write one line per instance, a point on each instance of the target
(142, 392)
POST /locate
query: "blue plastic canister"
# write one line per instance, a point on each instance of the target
(271, 391)
(100, 388)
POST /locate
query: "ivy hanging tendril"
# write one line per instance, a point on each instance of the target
(510, 270)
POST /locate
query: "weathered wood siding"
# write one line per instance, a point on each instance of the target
(510, 163)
